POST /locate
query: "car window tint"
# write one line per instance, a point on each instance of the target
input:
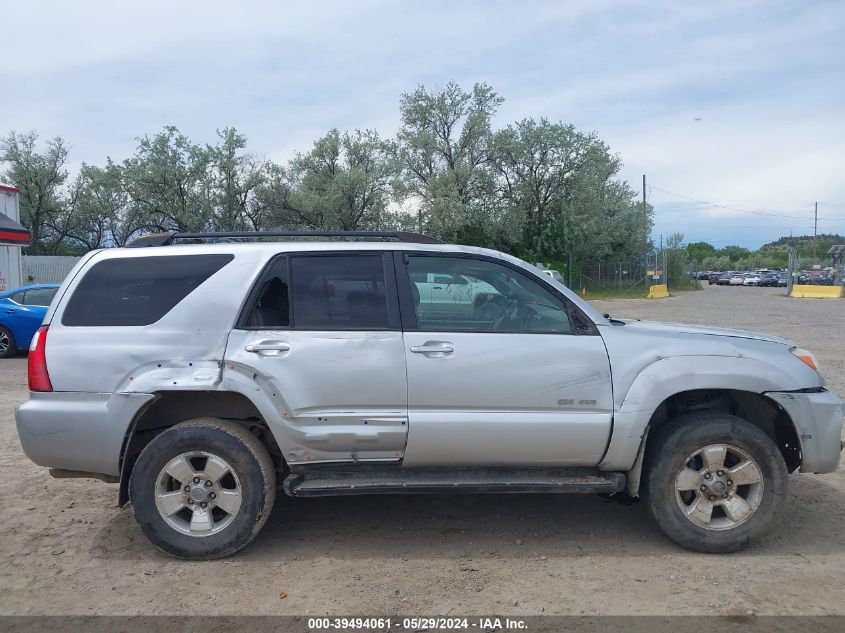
(39, 296)
(339, 292)
(18, 297)
(138, 290)
(272, 306)
(490, 297)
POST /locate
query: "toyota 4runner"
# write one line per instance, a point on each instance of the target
(199, 375)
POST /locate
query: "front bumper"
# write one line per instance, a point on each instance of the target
(818, 420)
(77, 431)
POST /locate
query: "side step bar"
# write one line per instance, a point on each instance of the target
(324, 483)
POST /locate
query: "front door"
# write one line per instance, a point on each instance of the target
(500, 377)
(322, 336)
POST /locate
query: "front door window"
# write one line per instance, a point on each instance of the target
(455, 294)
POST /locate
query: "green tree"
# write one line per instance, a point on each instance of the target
(535, 161)
(168, 181)
(41, 176)
(101, 213)
(345, 182)
(699, 251)
(716, 262)
(234, 179)
(676, 259)
(598, 215)
(734, 253)
(444, 144)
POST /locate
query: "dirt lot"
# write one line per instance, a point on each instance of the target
(67, 549)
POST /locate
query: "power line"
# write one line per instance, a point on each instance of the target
(738, 210)
(715, 227)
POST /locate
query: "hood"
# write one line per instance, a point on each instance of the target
(684, 328)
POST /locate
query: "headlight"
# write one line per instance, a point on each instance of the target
(806, 357)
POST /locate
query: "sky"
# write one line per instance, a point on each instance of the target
(735, 112)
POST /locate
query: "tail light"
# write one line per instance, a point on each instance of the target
(39, 379)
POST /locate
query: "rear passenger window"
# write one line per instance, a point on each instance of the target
(138, 290)
(339, 292)
(39, 296)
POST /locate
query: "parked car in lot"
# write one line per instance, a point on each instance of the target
(554, 274)
(21, 313)
(200, 375)
(751, 279)
(713, 278)
(737, 279)
(724, 279)
(769, 279)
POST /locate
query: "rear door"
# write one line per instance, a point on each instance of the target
(322, 334)
(511, 375)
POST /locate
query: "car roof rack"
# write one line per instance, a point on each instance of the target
(167, 238)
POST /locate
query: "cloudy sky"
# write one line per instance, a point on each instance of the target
(740, 105)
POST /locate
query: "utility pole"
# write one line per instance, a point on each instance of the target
(643, 193)
(815, 231)
(645, 229)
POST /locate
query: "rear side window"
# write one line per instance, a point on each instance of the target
(339, 292)
(138, 290)
(39, 296)
(324, 292)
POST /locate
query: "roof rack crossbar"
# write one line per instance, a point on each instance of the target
(169, 237)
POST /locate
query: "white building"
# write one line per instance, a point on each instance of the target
(13, 237)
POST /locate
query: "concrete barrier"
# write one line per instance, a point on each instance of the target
(817, 292)
(658, 291)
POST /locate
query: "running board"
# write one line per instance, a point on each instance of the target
(324, 483)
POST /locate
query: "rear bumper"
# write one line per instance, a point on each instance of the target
(818, 420)
(77, 431)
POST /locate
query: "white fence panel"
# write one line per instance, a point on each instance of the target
(46, 269)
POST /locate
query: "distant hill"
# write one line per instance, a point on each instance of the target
(804, 244)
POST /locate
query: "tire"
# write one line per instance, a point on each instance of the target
(10, 348)
(238, 501)
(675, 457)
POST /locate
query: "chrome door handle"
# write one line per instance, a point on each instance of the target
(268, 348)
(433, 347)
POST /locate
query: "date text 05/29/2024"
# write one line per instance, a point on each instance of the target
(416, 624)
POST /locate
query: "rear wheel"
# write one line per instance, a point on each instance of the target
(203, 489)
(8, 348)
(715, 482)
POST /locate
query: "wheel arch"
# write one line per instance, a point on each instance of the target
(756, 408)
(169, 408)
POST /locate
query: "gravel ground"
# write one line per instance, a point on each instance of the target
(67, 549)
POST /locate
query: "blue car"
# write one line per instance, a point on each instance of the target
(21, 313)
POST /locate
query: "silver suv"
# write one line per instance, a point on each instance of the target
(199, 375)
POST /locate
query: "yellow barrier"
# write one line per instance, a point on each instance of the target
(817, 292)
(658, 291)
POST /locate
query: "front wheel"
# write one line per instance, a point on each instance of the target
(203, 489)
(715, 482)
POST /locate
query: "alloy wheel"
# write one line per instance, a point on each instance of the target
(198, 494)
(719, 487)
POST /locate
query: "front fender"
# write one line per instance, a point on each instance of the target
(665, 377)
